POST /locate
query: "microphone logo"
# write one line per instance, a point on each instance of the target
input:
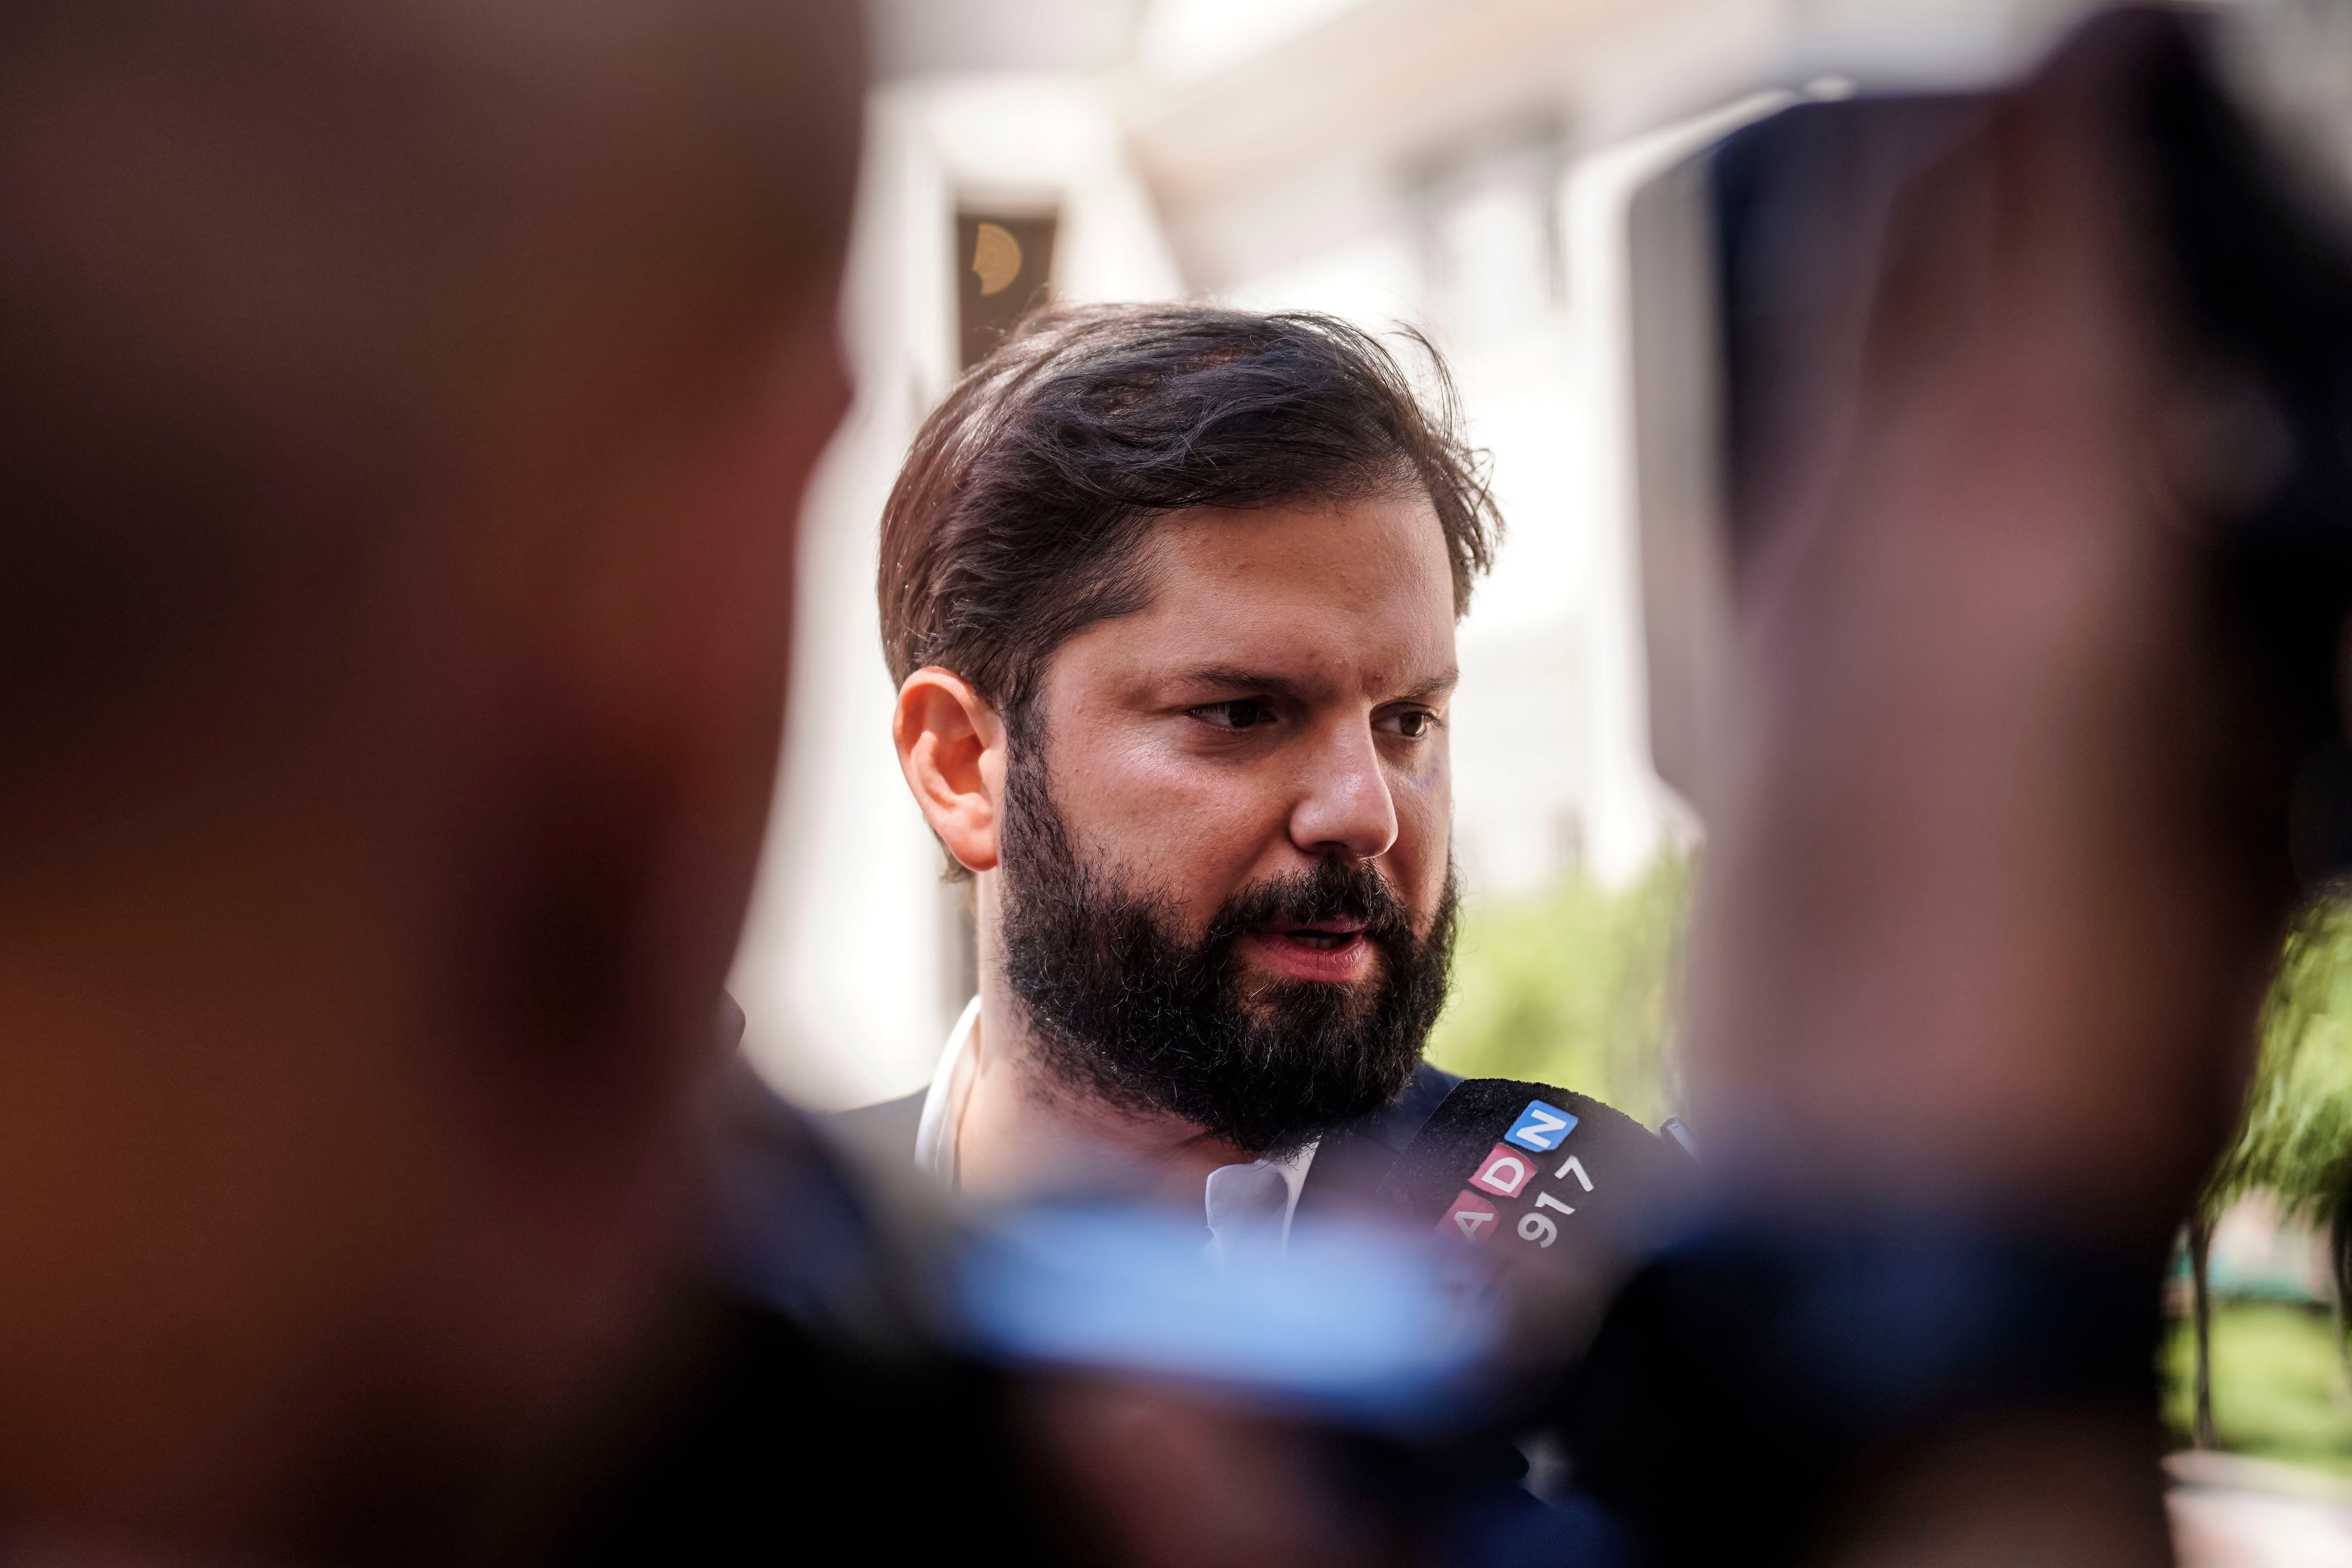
(1540, 1126)
(1472, 1218)
(1504, 1171)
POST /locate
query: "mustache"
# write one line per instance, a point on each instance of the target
(1333, 890)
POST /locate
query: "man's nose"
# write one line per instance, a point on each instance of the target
(1344, 805)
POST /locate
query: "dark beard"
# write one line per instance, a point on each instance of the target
(1124, 1009)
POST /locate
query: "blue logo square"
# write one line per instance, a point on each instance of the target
(1540, 1126)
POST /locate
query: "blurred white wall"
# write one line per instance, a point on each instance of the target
(848, 970)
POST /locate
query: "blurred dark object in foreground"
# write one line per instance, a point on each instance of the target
(1080, 1383)
(2254, 234)
(807, 1396)
(2039, 523)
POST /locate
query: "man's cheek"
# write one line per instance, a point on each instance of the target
(1198, 853)
(1418, 865)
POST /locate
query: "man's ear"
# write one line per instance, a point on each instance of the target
(952, 749)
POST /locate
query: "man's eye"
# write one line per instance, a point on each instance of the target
(1413, 723)
(1239, 714)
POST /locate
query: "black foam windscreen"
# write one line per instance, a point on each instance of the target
(1515, 1165)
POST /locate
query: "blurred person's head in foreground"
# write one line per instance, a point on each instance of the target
(1169, 593)
(405, 407)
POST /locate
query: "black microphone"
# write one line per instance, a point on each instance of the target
(1532, 1168)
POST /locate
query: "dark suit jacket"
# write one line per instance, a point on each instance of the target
(1346, 1167)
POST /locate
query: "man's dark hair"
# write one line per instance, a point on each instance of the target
(1016, 522)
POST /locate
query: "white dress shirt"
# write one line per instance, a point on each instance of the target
(1246, 1207)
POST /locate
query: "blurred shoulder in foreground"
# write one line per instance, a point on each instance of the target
(401, 412)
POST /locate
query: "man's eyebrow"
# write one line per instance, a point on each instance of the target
(1437, 686)
(1232, 677)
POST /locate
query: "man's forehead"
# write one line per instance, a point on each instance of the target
(1380, 544)
(1380, 562)
(1291, 590)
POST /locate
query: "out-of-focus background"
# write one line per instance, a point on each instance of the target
(1470, 168)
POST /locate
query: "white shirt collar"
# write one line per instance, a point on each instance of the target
(1245, 1206)
(935, 1134)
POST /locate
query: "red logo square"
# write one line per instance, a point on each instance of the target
(1472, 1218)
(1505, 1172)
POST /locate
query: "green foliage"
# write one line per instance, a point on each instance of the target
(2279, 1390)
(2278, 1369)
(1573, 988)
(2297, 1139)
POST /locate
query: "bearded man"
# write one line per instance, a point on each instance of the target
(1169, 593)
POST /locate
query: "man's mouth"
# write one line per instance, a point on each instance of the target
(1333, 952)
(1320, 936)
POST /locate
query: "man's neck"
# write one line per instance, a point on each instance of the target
(1025, 1133)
